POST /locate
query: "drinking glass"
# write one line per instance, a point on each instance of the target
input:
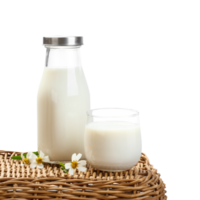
(112, 139)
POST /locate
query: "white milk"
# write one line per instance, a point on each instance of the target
(112, 146)
(63, 99)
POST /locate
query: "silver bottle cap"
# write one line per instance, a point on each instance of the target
(63, 41)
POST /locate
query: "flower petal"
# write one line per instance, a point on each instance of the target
(73, 156)
(78, 157)
(28, 155)
(67, 165)
(71, 171)
(41, 154)
(32, 158)
(22, 156)
(82, 162)
(40, 166)
(46, 159)
(82, 169)
(33, 165)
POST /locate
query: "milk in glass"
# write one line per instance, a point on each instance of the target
(112, 145)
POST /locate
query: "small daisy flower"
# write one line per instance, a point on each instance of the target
(37, 161)
(26, 160)
(75, 163)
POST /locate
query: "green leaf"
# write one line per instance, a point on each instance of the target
(66, 171)
(63, 167)
(24, 155)
(16, 157)
(61, 164)
(36, 153)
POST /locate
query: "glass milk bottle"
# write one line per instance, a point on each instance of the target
(63, 99)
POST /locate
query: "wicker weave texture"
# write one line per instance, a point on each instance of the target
(21, 182)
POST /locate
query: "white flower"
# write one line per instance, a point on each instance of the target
(76, 164)
(36, 161)
(26, 160)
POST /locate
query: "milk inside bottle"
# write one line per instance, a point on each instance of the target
(63, 99)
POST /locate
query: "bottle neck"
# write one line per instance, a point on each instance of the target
(63, 57)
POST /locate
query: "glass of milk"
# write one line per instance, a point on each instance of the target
(112, 139)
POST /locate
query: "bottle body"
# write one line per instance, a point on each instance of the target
(63, 99)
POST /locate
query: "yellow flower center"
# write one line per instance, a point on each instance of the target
(74, 164)
(39, 160)
(26, 161)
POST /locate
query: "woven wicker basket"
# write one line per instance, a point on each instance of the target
(22, 182)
